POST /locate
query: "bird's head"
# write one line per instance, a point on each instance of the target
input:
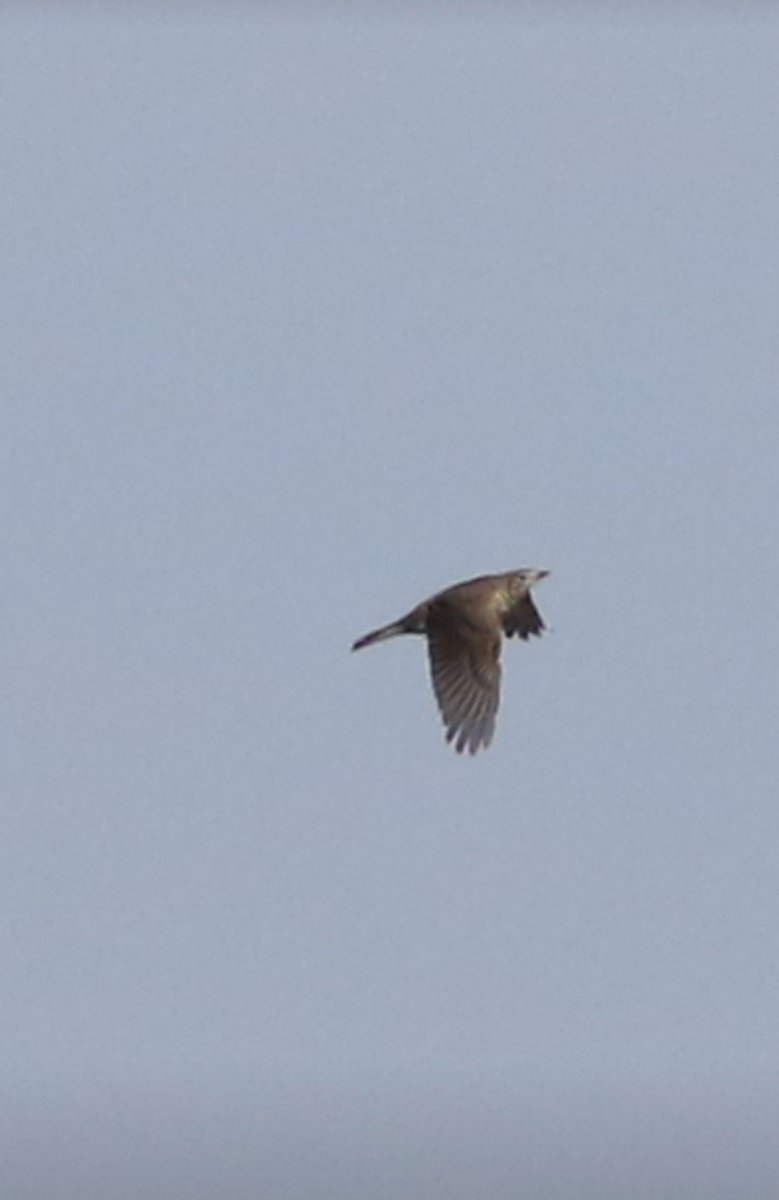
(528, 576)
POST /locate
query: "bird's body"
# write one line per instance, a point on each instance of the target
(464, 625)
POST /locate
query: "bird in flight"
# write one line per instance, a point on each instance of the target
(463, 625)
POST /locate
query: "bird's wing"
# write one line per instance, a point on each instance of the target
(465, 666)
(523, 618)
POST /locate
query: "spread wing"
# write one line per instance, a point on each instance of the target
(465, 666)
(523, 618)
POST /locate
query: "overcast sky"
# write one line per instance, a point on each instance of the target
(307, 316)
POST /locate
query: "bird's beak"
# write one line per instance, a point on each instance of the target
(542, 575)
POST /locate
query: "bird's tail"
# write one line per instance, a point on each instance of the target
(380, 635)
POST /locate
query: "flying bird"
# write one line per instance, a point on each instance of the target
(463, 625)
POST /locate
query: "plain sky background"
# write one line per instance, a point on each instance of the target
(307, 314)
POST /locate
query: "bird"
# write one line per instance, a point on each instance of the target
(463, 625)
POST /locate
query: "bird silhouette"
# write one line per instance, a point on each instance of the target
(464, 625)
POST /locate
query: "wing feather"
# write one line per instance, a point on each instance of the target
(523, 618)
(465, 669)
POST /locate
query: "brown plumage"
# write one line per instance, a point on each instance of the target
(464, 625)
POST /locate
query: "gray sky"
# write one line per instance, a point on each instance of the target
(306, 317)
